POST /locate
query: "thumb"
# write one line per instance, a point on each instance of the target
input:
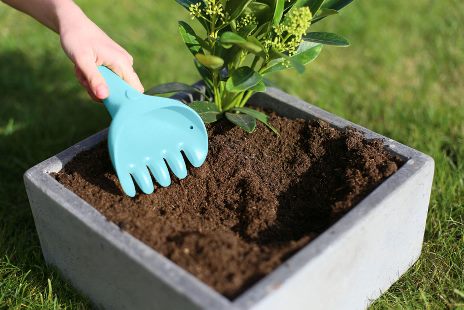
(96, 82)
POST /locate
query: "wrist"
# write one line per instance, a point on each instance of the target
(68, 15)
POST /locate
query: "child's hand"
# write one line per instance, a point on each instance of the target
(85, 44)
(88, 47)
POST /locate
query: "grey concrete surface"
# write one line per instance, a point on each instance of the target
(346, 267)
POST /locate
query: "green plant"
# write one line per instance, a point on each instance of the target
(245, 40)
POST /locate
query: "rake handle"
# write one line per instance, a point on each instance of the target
(120, 91)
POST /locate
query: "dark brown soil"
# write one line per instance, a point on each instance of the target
(257, 200)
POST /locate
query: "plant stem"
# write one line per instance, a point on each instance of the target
(245, 98)
(235, 102)
(255, 62)
(217, 92)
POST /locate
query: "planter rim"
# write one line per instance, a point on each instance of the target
(181, 280)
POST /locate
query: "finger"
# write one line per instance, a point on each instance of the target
(80, 77)
(129, 58)
(127, 73)
(84, 83)
(132, 78)
(96, 82)
(91, 94)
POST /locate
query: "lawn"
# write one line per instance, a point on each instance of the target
(402, 77)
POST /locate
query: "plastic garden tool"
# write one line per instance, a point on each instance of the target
(148, 132)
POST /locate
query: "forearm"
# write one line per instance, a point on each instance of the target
(55, 14)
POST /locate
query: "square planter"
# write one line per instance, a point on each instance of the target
(348, 266)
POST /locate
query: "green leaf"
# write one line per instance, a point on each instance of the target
(171, 88)
(247, 30)
(278, 11)
(256, 42)
(314, 5)
(268, 83)
(299, 67)
(262, 11)
(263, 30)
(293, 61)
(260, 116)
(326, 38)
(244, 121)
(190, 38)
(260, 87)
(210, 61)
(306, 53)
(300, 3)
(228, 38)
(205, 73)
(336, 4)
(230, 55)
(208, 111)
(323, 13)
(186, 3)
(242, 79)
(204, 106)
(235, 7)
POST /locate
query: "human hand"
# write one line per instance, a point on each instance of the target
(88, 47)
(85, 44)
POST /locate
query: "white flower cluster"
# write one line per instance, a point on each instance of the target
(287, 35)
(210, 9)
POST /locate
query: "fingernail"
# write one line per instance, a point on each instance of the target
(101, 92)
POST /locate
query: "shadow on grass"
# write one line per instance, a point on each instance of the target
(42, 111)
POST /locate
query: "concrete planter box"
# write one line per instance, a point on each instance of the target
(346, 267)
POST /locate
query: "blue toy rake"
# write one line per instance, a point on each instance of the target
(148, 134)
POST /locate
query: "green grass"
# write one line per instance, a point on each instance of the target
(402, 77)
